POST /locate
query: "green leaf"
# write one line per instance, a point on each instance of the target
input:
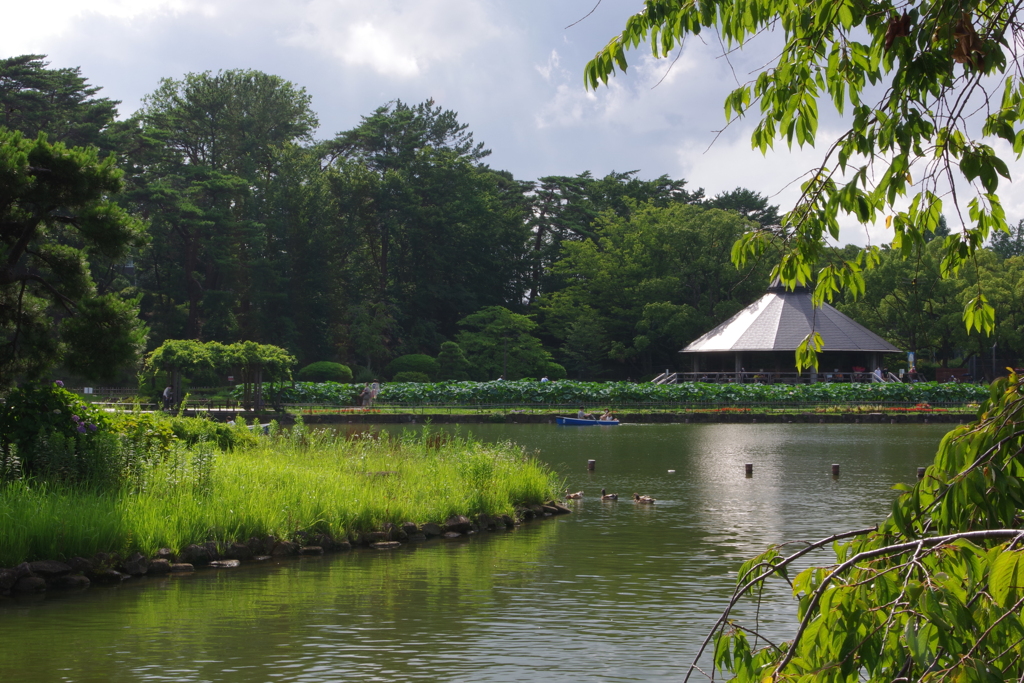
(1006, 580)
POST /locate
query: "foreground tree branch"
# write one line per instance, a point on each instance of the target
(953, 89)
(933, 593)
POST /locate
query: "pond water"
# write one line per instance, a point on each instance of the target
(614, 592)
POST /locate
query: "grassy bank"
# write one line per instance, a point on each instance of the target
(295, 481)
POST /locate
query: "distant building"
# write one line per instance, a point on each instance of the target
(763, 337)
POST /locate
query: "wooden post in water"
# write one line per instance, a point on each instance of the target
(920, 472)
(591, 464)
(749, 469)
(835, 469)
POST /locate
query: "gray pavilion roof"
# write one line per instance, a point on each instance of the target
(780, 320)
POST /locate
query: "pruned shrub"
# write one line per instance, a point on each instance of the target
(325, 371)
(413, 362)
(452, 362)
(555, 371)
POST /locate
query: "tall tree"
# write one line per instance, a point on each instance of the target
(439, 234)
(564, 208)
(59, 102)
(747, 203)
(215, 144)
(55, 214)
(1007, 244)
(500, 343)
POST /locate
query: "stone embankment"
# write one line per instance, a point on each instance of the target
(108, 569)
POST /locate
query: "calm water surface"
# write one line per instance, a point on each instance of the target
(611, 593)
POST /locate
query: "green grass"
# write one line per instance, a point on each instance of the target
(297, 481)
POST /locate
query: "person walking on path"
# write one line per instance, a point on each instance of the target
(374, 390)
(168, 398)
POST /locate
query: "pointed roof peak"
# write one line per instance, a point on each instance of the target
(781, 319)
(778, 288)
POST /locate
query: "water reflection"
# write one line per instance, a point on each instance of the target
(616, 592)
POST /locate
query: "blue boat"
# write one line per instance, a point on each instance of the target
(577, 422)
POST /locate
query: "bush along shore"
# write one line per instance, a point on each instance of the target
(89, 497)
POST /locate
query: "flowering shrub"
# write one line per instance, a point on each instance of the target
(919, 408)
(44, 428)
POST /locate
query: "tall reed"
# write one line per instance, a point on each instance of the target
(290, 482)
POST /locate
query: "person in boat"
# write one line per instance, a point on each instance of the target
(607, 416)
(581, 414)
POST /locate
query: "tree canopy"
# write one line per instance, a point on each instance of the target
(500, 343)
(931, 91)
(59, 102)
(56, 214)
(376, 242)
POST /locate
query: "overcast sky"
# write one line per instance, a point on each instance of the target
(512, 69)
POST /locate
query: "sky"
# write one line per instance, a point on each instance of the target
(511, 69)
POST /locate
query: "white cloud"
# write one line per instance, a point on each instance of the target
(512, 71)
(395, 39)
(546, 70)
(28, 24)
(368, 45)
(391, 37)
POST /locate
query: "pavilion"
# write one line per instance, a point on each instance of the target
(759, 342)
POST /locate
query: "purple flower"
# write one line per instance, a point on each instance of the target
(59, 383)
(81, 429)
(76, 418)
(92, 426)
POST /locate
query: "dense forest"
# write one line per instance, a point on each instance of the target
(395, 238)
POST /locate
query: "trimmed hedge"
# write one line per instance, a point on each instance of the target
(325, 371)
(413, 362)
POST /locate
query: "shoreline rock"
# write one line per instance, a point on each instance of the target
(109, 569)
